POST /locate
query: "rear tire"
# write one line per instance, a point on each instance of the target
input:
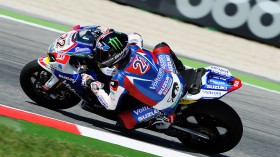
(215, 119)
(33, 77)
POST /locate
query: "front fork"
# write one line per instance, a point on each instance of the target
(50, 83)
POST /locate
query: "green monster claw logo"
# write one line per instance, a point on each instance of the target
(115, 42)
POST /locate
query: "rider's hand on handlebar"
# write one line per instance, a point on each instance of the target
(95, 86)
(86, 80)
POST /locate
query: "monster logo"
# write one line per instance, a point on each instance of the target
(115, 42)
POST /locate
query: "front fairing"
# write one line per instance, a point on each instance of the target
(77, 43)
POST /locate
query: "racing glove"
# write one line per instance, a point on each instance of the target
(88, 81)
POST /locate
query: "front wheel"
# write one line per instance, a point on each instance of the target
(215, 119)
(33, 77)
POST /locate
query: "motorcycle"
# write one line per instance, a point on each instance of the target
(202, 120)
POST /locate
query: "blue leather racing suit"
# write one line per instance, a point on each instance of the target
(151, 78)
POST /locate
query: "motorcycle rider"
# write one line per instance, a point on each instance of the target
(88, 35)
(150, 77)
(133, 37)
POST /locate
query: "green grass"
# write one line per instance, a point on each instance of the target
(14, 144)
(21, 138)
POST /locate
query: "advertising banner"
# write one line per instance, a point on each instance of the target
(253, 19)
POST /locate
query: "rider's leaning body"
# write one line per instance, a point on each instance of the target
(143, 78)
(150, 77)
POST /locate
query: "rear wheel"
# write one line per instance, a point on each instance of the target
(33, 77)
(215, 119)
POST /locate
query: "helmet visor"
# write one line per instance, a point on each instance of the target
(101, 55)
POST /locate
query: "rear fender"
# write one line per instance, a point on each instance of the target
(218, 82)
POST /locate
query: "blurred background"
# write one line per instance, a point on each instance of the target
(242, 35)
(193, 28)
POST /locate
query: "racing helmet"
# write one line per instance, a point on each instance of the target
(111, 48)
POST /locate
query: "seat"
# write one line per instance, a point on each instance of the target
(193, 80)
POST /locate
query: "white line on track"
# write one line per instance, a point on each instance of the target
(131, 143)
(31, 24)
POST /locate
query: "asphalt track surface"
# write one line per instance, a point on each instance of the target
(259, 109)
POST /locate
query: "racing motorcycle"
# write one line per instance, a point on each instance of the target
(202, 120)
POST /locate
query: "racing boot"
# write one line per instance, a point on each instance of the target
(86, 106)
(90, 107)
(163, 122)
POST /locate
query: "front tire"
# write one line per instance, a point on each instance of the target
(33, 77)
(215, 119)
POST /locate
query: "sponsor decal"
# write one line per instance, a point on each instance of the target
(165, 86)
(60, 52)
(79, 54)
(116, 58)
(216, 87)
(165, 91)
(80, 49)
(141, 110)
(251, 18)
(116, 43)
(102, 101)
(175, 90)
(67, 78)
(148, 115)
(219, 78)
(145, 113)
(166, 62)
(209, 93)
(70, 88)
(220, 70)
(169, 63)
(156, 81)
(162, 61)
(254, 19)
(60, 56)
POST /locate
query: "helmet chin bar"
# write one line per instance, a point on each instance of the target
(109, 71)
